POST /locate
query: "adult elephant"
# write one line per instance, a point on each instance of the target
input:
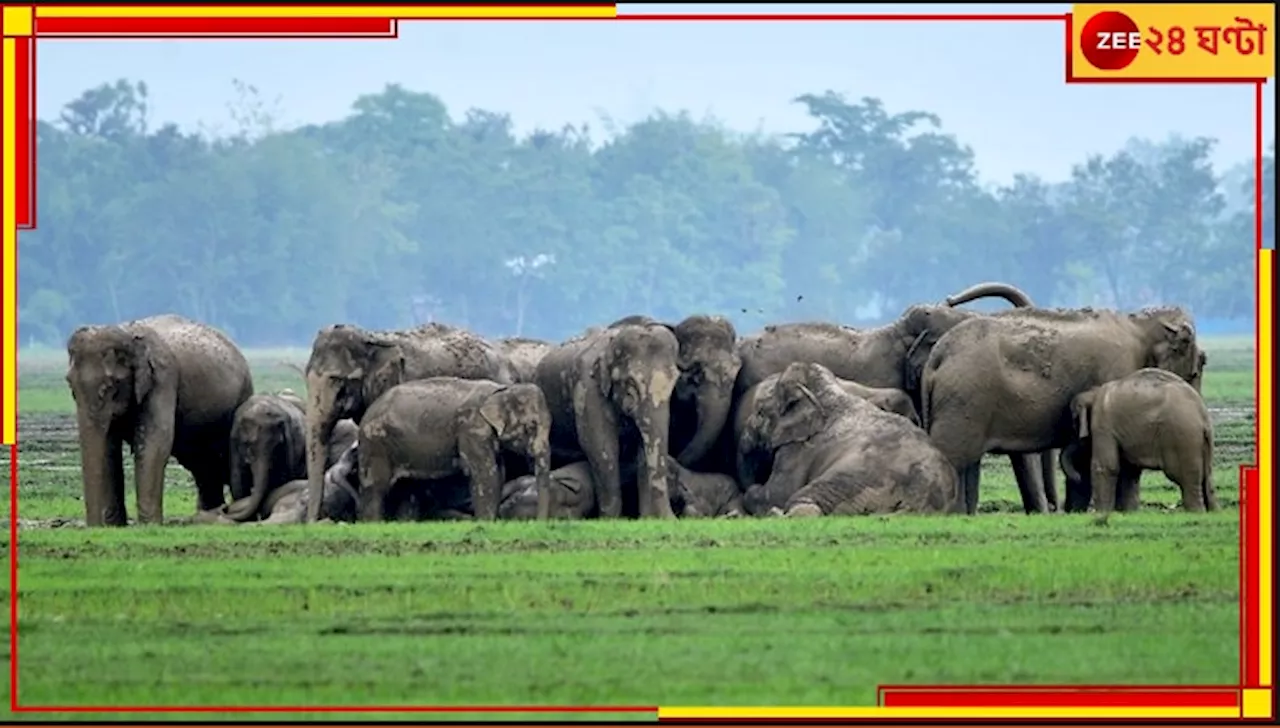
(610, 397)
(836, 453)
(350, 367)
(1004, 384)
(166, 385)
(708, 363)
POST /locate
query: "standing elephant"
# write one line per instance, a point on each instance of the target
(165, 385)
(1149, 420)
(837, 454)
(753, 458)
(267, 450)
(703, 396)
(524, 355)
(432, 429)
(606, 391)
(889, 356)
(1004, 384)
(350, 367)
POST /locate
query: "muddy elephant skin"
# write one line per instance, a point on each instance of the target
(753, 459)
(267, 450)
(166, 386)
(1149, 420)
(836, 453)
(703, 495)
(287, 504)
(524, 355)
(1004, 384)
(573, 495)
(708, 363)
(435, 428)
(606, 390)
(351, 367)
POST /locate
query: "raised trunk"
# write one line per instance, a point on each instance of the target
(654, 497)
(102, 472)
(714, 401)
(1012, 294)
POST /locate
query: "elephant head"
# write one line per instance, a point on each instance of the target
(349, 368)
(803, 402)
(708, 364)
(1171, 339)
(112, 373)
(518, 417)
(266, 441)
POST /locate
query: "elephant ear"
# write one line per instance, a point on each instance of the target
(801, 415)
(492, 412)
(1082, 413)
(387, 369)
(144, 372)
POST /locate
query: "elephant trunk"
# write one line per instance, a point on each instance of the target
(714, 400)
(102, 472)
(245, 509)
(652, 481)
(321, 417)
(542, 478)
(1012, 294)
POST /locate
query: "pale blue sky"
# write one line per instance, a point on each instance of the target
(997, 86)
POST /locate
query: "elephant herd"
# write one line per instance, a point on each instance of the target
(644, 418)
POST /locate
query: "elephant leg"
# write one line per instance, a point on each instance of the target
(597, 427)
(1049, 477)
(1128, 493)
(108, 504)
(209, 486)
(1104, 472)
(375, 485)
(151, 454)
(478, 451)
(970, 478)
(1026, 469)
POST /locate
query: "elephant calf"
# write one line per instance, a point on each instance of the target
(1149, 420)
(702, 495)
(431, 429)
(836, 453)
(287, 504)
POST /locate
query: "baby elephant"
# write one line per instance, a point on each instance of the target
(434, 428)
(287, 504)
(573, 495)
(1149, 420)
(267, 449)
(702, 495)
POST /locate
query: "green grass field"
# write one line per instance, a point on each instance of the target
(749, 612)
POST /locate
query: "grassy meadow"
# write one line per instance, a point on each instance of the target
(747, 612)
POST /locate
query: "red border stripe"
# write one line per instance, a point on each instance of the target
(1250, 515)
(49, 26)
(24, 133)
(1040, 698)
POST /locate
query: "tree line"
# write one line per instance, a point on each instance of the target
(400, 213)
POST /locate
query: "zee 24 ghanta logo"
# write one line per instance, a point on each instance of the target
(1112, 40)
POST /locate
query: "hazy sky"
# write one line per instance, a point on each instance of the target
(997, 86)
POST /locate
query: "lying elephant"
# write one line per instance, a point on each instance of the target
(751, 460)
(835, 453)
(573, 493)
(287, 504)
(1150, 420)
(435, 428)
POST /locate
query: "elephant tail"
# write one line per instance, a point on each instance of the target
(1206, 477)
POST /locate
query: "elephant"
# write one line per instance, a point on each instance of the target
(607, 391)
(434, 428)
(572, 489)
(835, 453)
(1004, 384)
(287, 504)
(267, 450)
(166, 385)
(351, 367)
(524, 354)
(703, 495)
(890, 356)
(753, 460)
(1150, 420)
(708, 363)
